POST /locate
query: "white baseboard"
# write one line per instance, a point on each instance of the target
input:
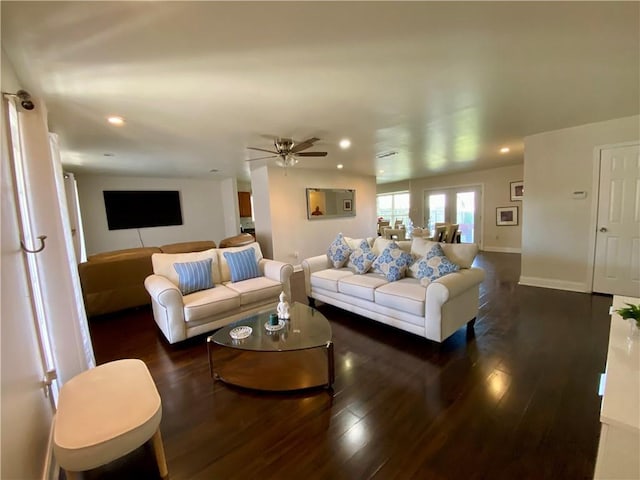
(51, 470)
(555, 284)
(502, 249)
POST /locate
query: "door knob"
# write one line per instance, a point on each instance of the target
(603, 229)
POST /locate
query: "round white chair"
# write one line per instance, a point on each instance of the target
(105, 413)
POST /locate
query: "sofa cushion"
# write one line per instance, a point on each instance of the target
(338, 252)
(123, 254)
(256, 290)
(392, 262)
(186, 247)
(406, 295)
(163, 264)
(242, 265)
(361, 286)
(194, 276)
(209, 303)
(433, 265)
(461, 254)
(225, 273)
(361, 259)
(328, 279)
(380, 243)
(358, 242)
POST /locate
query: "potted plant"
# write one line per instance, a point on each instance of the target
(630, 312)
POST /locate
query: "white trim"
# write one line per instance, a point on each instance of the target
(297, 268)
(51, 470)
(502, 249)
(555, 284)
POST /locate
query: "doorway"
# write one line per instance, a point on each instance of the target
(617, 252)
(459, 205)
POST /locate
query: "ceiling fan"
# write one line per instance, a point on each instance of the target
(287, 151)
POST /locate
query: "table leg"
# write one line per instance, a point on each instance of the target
(330, 365)
(210, 359)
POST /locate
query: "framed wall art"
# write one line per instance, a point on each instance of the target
(517, 190)
(506, 216)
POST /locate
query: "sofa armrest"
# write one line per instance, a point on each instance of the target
(168, 307)
(311, 265)
(278, 271)
(453, 284)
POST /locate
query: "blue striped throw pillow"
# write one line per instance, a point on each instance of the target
(242, 265)
(194, 276)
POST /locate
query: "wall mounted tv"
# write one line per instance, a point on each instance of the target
(142, 208)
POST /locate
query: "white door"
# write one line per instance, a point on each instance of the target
(617, 259)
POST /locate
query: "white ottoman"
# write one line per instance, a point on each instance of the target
(105, 413)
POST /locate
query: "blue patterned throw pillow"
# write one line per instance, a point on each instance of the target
(433, 265)
(392, 262)
(361, 259)
(338, 252)
(242, 265)
(194, 276)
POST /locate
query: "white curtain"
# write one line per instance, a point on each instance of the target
(43, 210)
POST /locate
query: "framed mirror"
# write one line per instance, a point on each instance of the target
(330, 203)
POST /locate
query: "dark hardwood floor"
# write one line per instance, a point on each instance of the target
(517, 400)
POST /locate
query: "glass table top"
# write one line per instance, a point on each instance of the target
(307, 328)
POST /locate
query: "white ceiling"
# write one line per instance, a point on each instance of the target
(443, 84)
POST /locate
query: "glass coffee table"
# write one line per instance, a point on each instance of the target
(297, 356)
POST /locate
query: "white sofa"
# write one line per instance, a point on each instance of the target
(181, 317)
(434, 311)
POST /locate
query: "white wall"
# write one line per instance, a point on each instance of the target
(558, 231)
(286, 223)
(496, 183)
(203, 206)
(25, 412)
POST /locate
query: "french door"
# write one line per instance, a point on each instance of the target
(459, 205)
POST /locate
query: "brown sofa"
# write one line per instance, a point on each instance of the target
(113, 281)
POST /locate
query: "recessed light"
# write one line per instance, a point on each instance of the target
(381, 171)
(339, 166)
(345, 143)
(115, 120)
(504, 150)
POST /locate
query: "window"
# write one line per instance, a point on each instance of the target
(393, 206)
(459, 205)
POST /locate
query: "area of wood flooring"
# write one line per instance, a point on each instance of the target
(517, 400)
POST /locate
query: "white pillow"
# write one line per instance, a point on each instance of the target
(163, 263)
(380, 243)
(461, 254)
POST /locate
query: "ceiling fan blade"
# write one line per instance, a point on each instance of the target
(311, 154)
(261, 158)
(305, 144)
(262, 150)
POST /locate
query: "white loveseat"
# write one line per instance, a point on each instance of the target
(181, 317)
(434, 311)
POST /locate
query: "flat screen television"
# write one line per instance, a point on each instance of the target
(142, 208)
